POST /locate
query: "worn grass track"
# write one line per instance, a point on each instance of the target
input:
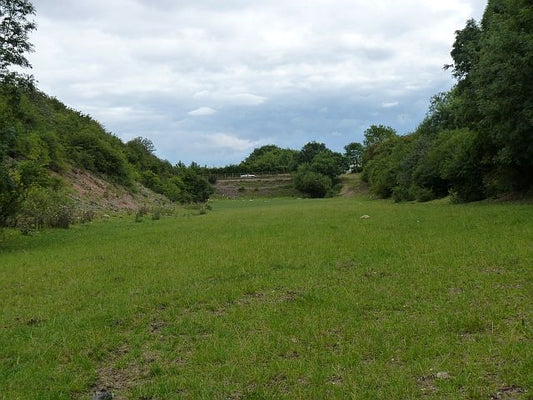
(278, 298)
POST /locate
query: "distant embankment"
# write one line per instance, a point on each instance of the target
(255, 186)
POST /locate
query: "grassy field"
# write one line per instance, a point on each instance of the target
(274, 299)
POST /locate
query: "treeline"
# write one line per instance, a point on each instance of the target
(315, 168)
(39, 136)
(477, 139)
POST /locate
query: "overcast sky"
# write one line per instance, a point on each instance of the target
(209, 80)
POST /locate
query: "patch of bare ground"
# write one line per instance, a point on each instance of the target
(427, 385)
(117, 378)
(272, 297)
(515, 197)
(509, 393)
(120, 374)
(96, 193)
(352, 185)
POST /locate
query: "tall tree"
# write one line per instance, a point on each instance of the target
(465, 51)
(15, 28)
(354, 156)
(503, 82)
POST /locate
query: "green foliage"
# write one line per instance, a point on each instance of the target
(329, 163)
(318, 170)
(502, 81)
(381, 172)
(312, 182)
(196, 188)
(309, 151)
(354, 156)
(375, 137)
(10, 191)
(100, 154)
(465, 51)
(476, 140)
(269, 159)
(14, 35)
(45, 207)
(377, 134)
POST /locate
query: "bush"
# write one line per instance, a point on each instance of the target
(44, 207)
(86, 216)
(143, 210)
(156, 214)
(312, 183)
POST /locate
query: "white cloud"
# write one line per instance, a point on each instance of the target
(389, 104)
(227, 141)
(202, 111)
(229, 98)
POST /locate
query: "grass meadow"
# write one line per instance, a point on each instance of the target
(274, 299)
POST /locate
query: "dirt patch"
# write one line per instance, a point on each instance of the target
(508, 393)
(118, 380)
(273, 297)
(119, 375)
(98, 194)
(336, 380)
(427, 385)
(352, 185)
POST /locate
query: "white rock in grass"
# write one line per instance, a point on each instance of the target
(365, 216)
(443, 375)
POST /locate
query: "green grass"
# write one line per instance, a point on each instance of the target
(277, 299)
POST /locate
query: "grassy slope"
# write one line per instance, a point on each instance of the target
(274, 299)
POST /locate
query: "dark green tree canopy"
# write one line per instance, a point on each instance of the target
(477, 139)
(309, 151)
(465, 51)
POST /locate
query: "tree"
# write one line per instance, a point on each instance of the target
(311, 182)
(465, 51)
(376, 134)
(354, 156)
(269, 158)
(329, 163)
(503, 82)
(14, 31)
(309, 151)
(375, 137)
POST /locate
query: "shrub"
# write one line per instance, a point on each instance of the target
(143, 210)
(86, 216)
(156, 214)
(44, 207)
(312, 183)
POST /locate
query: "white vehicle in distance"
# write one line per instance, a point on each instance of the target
(247, 176)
